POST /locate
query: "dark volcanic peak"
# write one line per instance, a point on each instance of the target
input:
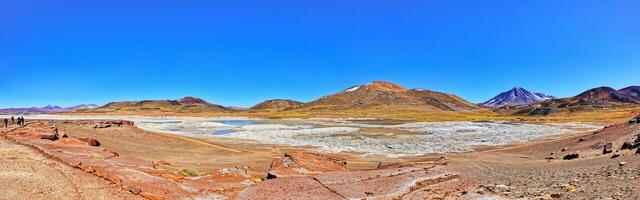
(52, 107)
(192, 100)
(631, 94)
(596, 93)
(516, 96)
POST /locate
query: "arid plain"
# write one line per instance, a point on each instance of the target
(373, 141)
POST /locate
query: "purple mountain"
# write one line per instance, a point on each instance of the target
(516, 96)
(46, 109)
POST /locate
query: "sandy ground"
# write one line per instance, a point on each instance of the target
(26, 174)
(516, 171)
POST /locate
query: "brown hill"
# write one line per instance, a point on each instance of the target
(631, 94)
(185, 104)
(590, 100)
(277, 104)
(388, 95)
(116, 105)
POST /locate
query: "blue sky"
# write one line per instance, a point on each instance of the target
(242, 52)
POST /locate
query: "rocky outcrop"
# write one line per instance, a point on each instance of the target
(631, 143)
(134, 175)
(100, 123)
(305, 164)
(309, 176)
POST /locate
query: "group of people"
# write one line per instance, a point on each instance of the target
(19, 122)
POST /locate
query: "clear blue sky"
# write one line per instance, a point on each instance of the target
(241, 52)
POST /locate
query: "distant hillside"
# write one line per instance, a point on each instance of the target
(386, 95)
(185, 104)
(46, 109)
(515, 97)
(590, 100)
(277, 104)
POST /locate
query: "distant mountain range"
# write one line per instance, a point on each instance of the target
(46, 109)
(515, 97)
(590, 100)
(374, 95)
(386, 96)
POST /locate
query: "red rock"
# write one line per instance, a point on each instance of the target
(127, 173)
(305, 164)
(52, 137)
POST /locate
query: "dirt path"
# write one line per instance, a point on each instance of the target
(26, 174)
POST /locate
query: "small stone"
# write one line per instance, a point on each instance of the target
(135, 190)
(571, 156)
(556, 196)
(564, 149)
(52, 137)
(94, 142)
(608, 148)
(621, 164)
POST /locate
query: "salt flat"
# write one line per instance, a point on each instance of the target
(349, 135)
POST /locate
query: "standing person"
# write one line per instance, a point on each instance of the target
(6, 122)
(12, 120)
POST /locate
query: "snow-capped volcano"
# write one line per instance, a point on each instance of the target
(516, 96)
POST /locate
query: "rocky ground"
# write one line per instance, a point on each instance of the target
(27, 174)
(114, 160)
(603, 169)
